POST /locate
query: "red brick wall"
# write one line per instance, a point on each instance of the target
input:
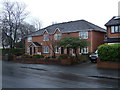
(97, 39)
(109, 34)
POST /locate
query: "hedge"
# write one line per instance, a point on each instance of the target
(109, 52)
(16, 51)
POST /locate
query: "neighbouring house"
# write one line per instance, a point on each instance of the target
(113, 30)
(42, 41)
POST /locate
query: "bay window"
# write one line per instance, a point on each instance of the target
(115, 29)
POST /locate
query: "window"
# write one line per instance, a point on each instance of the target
(112, 29)
(84, 50)
(45, 38)
(56, 49)
(57, 36)
(115, 29)
(29, 39)
(45, 49)
(84, 35)
(119, 28)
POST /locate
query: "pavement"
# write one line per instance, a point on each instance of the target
(87, 69)
(84, 75)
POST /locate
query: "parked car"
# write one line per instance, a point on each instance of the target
(93, 57)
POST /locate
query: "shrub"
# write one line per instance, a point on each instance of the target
(63, 56)
(81, 58)
(109, 52)
(26, 56)
(15, 51)
(38, 56)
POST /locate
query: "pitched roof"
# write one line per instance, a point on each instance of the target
(37, 44)
(72, 26)
(114, 21)
(112, 40)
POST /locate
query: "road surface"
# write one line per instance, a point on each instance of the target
(19, 75)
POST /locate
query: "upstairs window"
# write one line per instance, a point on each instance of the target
(29, 39)
(115, 29)
(45, 37)
(57, 36)
(83, 35)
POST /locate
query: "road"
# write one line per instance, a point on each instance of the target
(18, 75)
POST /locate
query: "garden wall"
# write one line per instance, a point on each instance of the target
(43, 61)
(108, 65)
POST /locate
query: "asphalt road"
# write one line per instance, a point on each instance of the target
(18, 75)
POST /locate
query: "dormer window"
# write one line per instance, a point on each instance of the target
(57, 36)
(29, 39)
(115, 29)
(45, 37)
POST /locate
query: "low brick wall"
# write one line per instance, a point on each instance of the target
(43, 61)
(108, 65)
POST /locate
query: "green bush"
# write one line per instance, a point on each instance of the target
(26, 56)
(15, 51)
(63, 56)
(109, 52)
(38, 56)
(83, 58)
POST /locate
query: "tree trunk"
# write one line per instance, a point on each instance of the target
(75, 50)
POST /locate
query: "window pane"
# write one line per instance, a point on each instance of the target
(57, 36)
(56, 49)
(112, 29)
(119, 29)
(116, 29)
(84, 35)
(45, 49)
(29, 39)
(45, 37)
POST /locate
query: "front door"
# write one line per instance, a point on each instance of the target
(62, 50)
(30, 50)
(68, 50)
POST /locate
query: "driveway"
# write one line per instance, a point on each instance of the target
(86, 75)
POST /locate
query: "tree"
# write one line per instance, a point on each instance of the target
(13, 15)
(36, 23)
(52, 43)
(73, 43)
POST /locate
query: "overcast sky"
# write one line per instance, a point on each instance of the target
(95, 11)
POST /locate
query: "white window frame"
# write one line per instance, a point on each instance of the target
(112, 29)
(45, 37)
(57, 36)
(83, 35)
(56, 49)
(45, 49)
(29, 39)
(115, 29)
(83, 50)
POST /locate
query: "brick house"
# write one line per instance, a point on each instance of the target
(40, 42)
(113, 30)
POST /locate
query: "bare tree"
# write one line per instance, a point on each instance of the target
(51, 43)
(37, 23)
(13, 15)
